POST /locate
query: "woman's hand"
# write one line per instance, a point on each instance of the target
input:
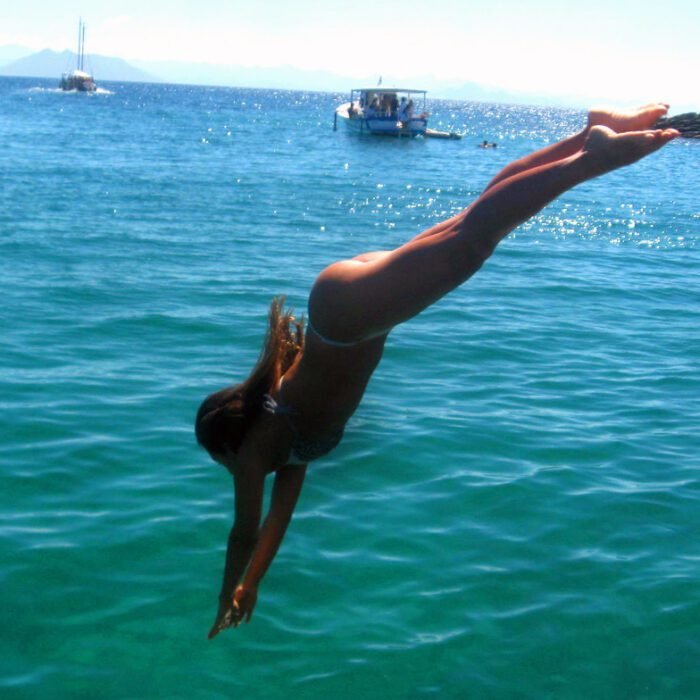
(233, 611)
(244, 600)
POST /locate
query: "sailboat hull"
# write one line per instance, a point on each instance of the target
(77, 80)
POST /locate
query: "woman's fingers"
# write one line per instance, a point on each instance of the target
(225, 617)
(232, 614)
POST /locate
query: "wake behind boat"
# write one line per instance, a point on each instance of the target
(79, 79)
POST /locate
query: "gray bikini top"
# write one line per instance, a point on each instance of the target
(303, 450)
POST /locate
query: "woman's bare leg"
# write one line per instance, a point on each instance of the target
(619, 121)
(358, 299)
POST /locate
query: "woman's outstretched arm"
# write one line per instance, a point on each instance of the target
(249, 485)
(251, 551)
(285, 494)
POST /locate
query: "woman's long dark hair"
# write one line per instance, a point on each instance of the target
(225, 416)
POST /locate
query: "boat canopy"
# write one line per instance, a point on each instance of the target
(369, 93)
(365, 96)
(381, 88)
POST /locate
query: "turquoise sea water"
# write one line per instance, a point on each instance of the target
(515, 510)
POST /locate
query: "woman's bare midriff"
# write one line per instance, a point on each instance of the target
(326, 385)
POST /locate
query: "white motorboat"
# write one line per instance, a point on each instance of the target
(385, 111)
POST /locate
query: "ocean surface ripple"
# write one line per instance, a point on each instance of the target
(514, 511)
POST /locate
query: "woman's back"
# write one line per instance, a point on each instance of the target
(326, 385)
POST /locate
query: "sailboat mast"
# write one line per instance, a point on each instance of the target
(81, 45)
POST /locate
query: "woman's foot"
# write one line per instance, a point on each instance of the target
(608, 150)
(634, 120)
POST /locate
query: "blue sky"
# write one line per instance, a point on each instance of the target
(621, 51)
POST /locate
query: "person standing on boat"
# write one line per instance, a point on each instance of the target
(386, 105)
(394, 105)
(409, 111)
(373, 109)
(401, 115)
(292, 409)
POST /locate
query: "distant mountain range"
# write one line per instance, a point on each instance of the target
(21, 62)
(51, 64)
(12, 53)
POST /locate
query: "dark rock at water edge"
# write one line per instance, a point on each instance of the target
(688, 124)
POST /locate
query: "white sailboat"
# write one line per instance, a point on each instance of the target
(79, 79)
